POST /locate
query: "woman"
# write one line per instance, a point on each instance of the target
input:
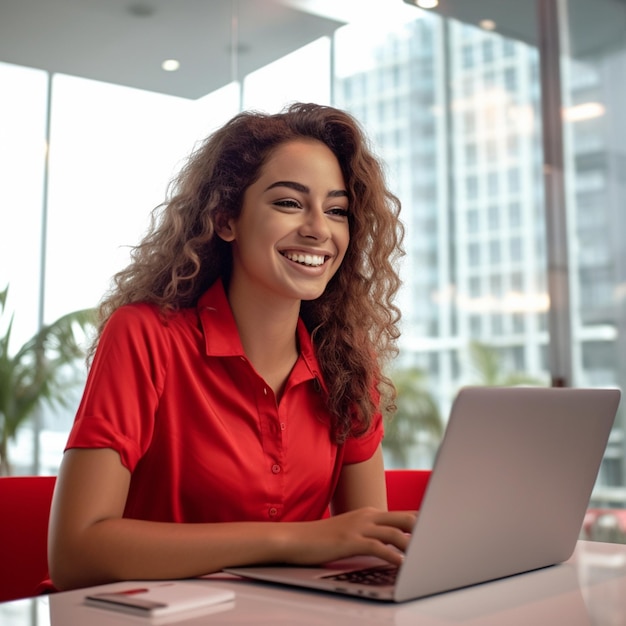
(237, 376)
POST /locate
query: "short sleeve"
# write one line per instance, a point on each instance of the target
(123, 387)
(358, 449)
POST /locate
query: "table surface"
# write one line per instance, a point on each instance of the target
(590, 588)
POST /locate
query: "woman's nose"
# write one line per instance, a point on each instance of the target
(315, 224)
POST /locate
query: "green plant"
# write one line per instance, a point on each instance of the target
(417, 415)
(42, 370)
(487, 364)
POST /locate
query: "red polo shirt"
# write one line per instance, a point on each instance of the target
(200, 430)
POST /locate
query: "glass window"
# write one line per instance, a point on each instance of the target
(472, 221)
(266, 89)
(513, 180)
(512, 145)
(125, 117)
(471, 154)
(493, 183)
(471, 187)
(473, 254)
(508, 47)
(495, 252)
(515, 214)
(495, 286)
(516, 249)
(497, 324)
(474, 287)
(99, 227)
(517, 282)
(470, 122)
(519, 325)
(475, 325)
(493, 217)
(488, 50)
(510, 79)
(593, 97)
(22, 154)
(467, 55)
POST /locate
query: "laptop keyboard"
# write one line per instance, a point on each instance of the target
(376, 576)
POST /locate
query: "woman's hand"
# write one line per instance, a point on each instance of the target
(363, 532)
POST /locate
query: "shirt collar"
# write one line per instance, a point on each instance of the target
(221, 337)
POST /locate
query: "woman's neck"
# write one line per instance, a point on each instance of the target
(268, 335)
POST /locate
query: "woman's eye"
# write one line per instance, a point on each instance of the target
(288, 203)
(340, 212)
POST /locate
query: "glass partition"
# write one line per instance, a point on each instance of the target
(594, 64)
(22, 154)
(453, 108)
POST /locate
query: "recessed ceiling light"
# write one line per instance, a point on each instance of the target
(426, 4)
(141, 9)
(170, 65)
(487, 24)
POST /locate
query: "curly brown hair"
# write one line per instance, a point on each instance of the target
(354, 324)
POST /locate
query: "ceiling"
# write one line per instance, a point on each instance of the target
(218, 41)
(125, 41)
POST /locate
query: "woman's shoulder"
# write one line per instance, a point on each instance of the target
(144, 317)
(143, 330)
(136, 314)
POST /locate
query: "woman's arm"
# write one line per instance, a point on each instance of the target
(361, 484)
(91, 543)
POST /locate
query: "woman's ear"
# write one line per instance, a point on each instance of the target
(224, 228)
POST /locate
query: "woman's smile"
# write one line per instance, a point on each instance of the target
(312, 260)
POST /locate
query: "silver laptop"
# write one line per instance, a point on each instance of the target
(508, 493)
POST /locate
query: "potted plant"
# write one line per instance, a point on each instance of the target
(41, 371)
(417, 419)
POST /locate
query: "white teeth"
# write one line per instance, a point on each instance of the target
(306, 259)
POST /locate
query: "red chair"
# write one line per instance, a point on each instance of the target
(24, 510)
(406, 488)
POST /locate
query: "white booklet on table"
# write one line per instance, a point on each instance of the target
(160, 598)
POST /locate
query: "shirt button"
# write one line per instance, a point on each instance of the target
(273, 511)
(283, 425)
(275, 469)
(265, 390)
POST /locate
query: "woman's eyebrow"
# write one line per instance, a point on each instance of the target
(291, 184)
(338, 193)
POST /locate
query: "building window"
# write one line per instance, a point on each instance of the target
(515, 215)
(493, 183)
(471, 187)
(510, 79)
(472, 221)
(473, 254)
(493, 217)
(488, 48)
(467, 55)
(513, 180)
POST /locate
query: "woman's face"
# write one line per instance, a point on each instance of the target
(292, 233)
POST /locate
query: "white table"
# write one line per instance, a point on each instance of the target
(588, 589)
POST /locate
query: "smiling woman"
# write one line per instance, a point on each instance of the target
(238, 369)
